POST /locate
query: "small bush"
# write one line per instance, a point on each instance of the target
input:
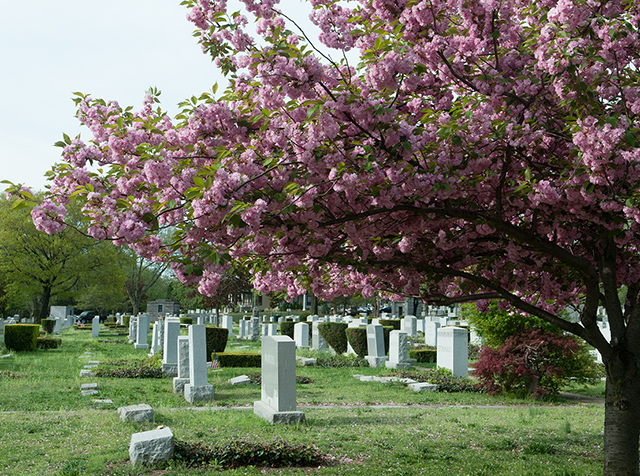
(286, 328)
(126, 320)
(239, 359)
(339, 361)
(304, 315)
(21, 336)
(138, 368)
(334, 334)
(217, 338)
(444, 379)
(48, 342)
(186, 320)
(301, 379)
(357, 337)
(395, 323)
(48, 325)
(424, 355)
(11, 375)
(247, 453)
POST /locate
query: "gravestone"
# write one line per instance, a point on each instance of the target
(453, 350)
(278, 402)
(170, 351)
(142, 331)
(409, 325)
(317, 341)
(420, 325)
(198, 389)
(227, 321)
(155, 343)
(95, 326)
(133, 329)
(301, 335)
(151, 447)
(254, 328)
(431, 333)
(242, 328)
(375, 346)
(200, 320)
(57, 328)
(142, 413)
(183, 365)
(397, 351)
(272, 329)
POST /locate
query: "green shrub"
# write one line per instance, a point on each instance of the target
(286, 328)
(239, 359)
(304, 315)
(395, 323)
(48, 342)
(217, 338)
(139, 368)
(126, 320)
(21, 336)
(444, 379)
(357, 337)
(386, 332)
(248, 453)
(340, 361)
(334, 334)
(424, 355)
(186, 320)
(48, 325)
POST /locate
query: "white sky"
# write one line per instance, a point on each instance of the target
(112, 49)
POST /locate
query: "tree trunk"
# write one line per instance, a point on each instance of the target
(621, 418)
(44, 305)
(314, 305)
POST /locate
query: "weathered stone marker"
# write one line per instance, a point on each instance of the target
(375, 345)
(453, 350)
(198, 389)
(278, 403)
(183, 365)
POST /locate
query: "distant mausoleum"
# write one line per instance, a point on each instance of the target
(160, 308)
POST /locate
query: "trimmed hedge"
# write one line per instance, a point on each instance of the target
(126, 320)
(239, 359)
(386, 332)
(334, 334)
(395, 323)
(424, 355)
(286, 328)
(217, 338)
(357, 337)
(21, 336)
(186, 320)
(48, 342)
(48, 325)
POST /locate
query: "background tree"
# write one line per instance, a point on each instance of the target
(142, 274)
(481, 150)
(38, 268)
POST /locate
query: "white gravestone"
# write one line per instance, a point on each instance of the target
(301, 335)
(170, 352)
(278, 402)
(317, 342)
(198, 389)
(398, 351)
(154, 338)
(133, 329)
(227, 321)
(453, 350)
(375, 345)
(143, 330)
(431, 333)
(95, 326)
(420, 325)
(183, 365)
(409, 325)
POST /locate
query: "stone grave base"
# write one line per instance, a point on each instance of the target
(141, 346)
(178, 384)
(398, 365)
(376, 361)
(200, 393)
(170, 370)
(272, 416)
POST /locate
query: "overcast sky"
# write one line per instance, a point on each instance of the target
(112, 49)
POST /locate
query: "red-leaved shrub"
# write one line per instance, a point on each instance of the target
(533, 363)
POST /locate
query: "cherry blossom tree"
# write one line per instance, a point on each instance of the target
(478, 150)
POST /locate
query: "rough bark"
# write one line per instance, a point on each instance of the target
(622, 417)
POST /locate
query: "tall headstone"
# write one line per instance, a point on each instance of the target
(398, 351)
(317, 341)
(242, 328)
(375, 345)
(198, 389)
(431, 333)
(278, 402)
(420, 325)
(155, 338)
(95, 326)
(301, 335)
(133, 329)
(453, 350)
(143, 330)
(170, 352)
(183, 365)
(227, 321)
(409, 325)
(254, 328)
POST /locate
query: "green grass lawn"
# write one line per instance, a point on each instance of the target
(365, 428)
